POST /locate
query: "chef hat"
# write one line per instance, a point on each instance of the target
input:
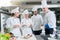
(44, 3)
(26, 12)
(34, 8)
(15, 10)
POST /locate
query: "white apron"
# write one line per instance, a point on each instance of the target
(27, 30)
(10, 23)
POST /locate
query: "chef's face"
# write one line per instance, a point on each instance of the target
(17, 14)
(35, 12)
(45, 9)
(26, 15)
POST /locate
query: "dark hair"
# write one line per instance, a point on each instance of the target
(11, 33)
(12, 14)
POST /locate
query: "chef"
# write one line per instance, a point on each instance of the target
(38, 22)
(14, 23)
(49, 20)
(27, 24)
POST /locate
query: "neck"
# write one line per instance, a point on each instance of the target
(14, 16)
(27, 18)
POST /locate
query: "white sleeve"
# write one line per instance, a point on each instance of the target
(41, 20)
(52, 20)
(32, 18)
(19, 23)
(8, 23)
(22, 22)
(32, 22)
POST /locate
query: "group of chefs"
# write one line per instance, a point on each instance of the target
(29, 26)
(35, 25)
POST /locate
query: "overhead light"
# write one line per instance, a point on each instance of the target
(15, 3)
(5, 3)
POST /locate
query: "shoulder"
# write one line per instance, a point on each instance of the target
(39, 16)
(10, 18)
(51, 13)
(29, 18)
(22, 19)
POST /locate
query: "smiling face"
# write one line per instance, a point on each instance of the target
(16, 14)
(26, 15)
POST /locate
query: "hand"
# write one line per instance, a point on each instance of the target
(42, 27)
(24, 25)
(30, 25)
(16, 25)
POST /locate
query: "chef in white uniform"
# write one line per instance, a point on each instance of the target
(27, 24)
(50, 19)
(14, 23)
(38, 22)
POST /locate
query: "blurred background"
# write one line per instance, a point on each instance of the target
(7, 5)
